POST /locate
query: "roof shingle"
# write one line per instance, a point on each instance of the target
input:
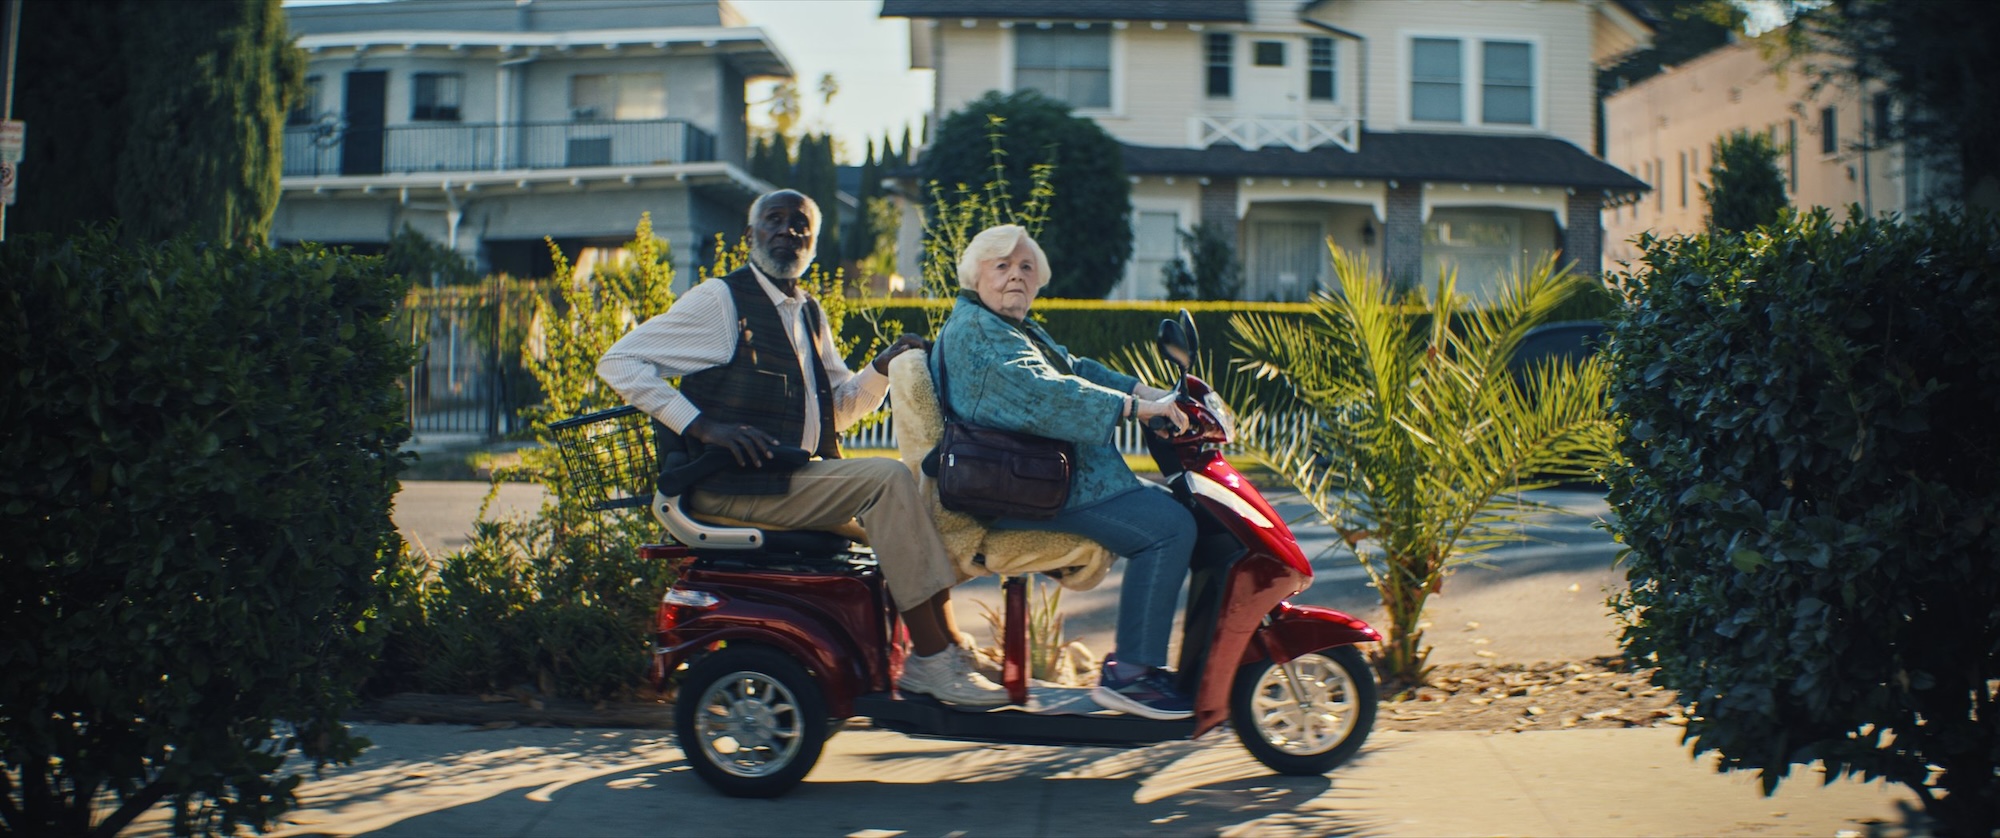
(1462, 158)
(1233, 11)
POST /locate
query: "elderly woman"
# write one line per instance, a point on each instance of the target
(1005, 372)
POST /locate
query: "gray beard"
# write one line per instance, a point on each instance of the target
(774, 269)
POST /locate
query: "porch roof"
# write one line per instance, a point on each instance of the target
(1233, 11)
(1458, 158)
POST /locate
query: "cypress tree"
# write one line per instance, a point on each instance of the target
(166, 116)
(814, 175)
(1748, 190)
(861, 232)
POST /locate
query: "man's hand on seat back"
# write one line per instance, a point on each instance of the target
(904, 343)
(750, 445)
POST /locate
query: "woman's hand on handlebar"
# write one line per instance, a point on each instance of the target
(1162, 415)
(750, 445)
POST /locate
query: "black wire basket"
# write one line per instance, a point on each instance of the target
(608, 456)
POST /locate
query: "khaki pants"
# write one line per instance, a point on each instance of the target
(877, 491)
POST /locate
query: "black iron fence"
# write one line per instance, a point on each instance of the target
(470, 376)
(330, 147)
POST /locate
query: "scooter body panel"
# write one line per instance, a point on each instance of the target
(1271, 569)
(1295, 630)
(833, 622)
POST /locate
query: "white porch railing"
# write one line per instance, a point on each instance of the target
(1255, 132)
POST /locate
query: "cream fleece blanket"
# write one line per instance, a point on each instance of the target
(1077, 562)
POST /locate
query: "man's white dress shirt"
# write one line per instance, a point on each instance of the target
(699, 332)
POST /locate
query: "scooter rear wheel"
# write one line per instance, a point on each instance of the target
(751, 721)
(1309, 720)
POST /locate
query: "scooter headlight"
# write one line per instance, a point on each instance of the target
(1222, 414)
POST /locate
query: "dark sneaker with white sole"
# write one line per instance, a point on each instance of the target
(1148, 692)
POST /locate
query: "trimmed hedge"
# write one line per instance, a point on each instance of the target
(1811, 497)
(1099, 329)
(195, 482)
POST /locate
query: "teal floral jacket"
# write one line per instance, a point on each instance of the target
(999, 380)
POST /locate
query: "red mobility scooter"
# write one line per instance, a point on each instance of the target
(778, 637)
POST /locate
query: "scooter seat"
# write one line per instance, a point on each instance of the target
(705, 533)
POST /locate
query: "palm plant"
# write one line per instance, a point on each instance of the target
(1418, 439)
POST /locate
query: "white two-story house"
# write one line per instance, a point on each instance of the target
(490, 124)
(1423, 133)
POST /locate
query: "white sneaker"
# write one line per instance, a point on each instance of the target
(948, 676)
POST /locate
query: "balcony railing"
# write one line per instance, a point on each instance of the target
(1255, 132)
(331, 147)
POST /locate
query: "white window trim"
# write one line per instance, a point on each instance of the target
(1117, 108)
(1472, 79)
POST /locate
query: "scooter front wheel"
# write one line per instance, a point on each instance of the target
(1307, 716)
(751, 721)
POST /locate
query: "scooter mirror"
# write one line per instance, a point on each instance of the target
(1173, 345)
(1189, 334)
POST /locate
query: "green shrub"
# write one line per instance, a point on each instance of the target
(1100, 329)
(1811, 497)
(195, 480)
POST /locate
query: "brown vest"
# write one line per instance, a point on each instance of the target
(760, 386)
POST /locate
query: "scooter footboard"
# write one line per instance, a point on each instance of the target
(1295, 630)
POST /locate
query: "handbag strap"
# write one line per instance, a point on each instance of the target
(943, 380)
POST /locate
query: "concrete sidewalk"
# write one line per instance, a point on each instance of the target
(440, 780)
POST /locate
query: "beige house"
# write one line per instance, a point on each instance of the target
(1423, 133)
(1832, 153)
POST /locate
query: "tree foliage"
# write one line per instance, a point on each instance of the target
(953, 218)
(1809, 486)
(166, 116)
(1401, 421)
(1938, 59)
(1214, 275)
(195, 485)
(1089, 235)
(1748, 190)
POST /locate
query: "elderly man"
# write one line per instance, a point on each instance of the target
(759, 368)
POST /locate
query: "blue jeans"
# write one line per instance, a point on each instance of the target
(1156, 537)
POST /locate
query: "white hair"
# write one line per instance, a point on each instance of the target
(993, 243)
(757, 206)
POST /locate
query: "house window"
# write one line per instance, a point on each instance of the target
(1507, 83)
(1436, 86)
(1071, 65)
(1270, 54)
(1221, 57)
(1829, 130)
(617, 96)
(1791, 153)
(1155, 243)
(1319, 69)
(306, 109)
(435, 97)
(1684, 179)
(1483, 248)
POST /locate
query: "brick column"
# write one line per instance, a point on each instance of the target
(1583, 239)
(1218, 207)
(1403, 235)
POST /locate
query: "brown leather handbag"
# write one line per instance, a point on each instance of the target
(995, 473)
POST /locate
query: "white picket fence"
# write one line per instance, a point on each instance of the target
(1127, 436)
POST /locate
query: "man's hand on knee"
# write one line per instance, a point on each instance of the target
(750, 445)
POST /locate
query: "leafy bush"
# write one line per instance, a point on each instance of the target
(1215, 274)
(195, 479)
(1811, 497)
(560, 601)
(1748, 190)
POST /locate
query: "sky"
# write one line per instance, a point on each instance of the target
(868, 56)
